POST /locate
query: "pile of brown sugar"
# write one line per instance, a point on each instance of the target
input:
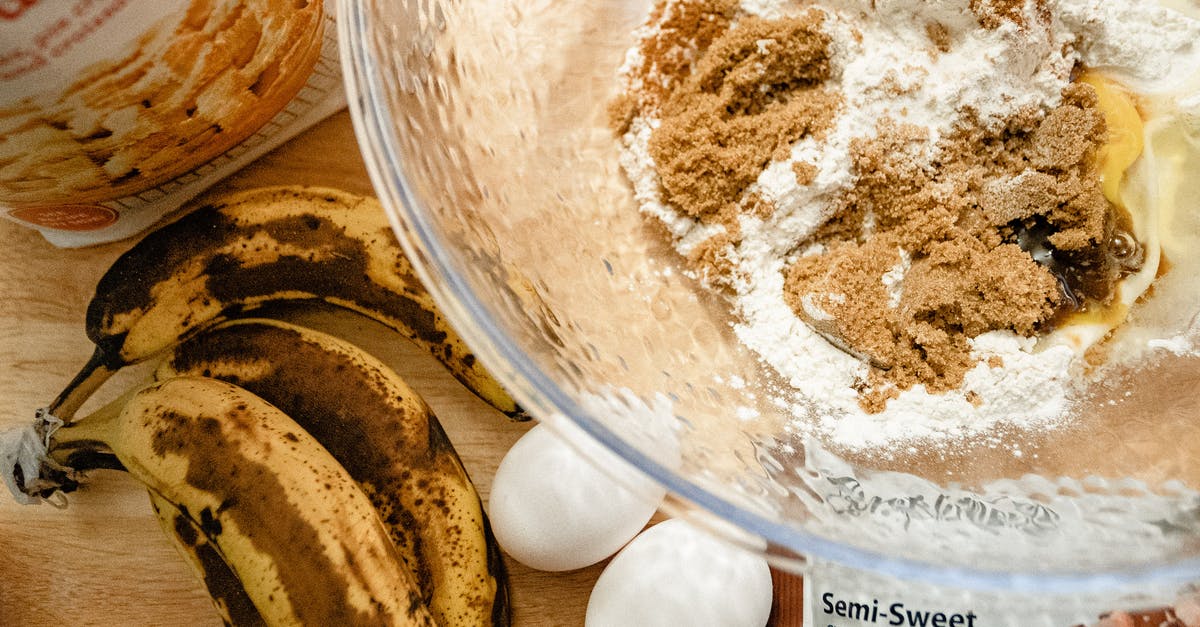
(729, 101)
(720, 128)
(949, 250)
(1001, 230)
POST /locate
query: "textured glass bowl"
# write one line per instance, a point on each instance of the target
(483, 126)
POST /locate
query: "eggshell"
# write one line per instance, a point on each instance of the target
(552, 509)
(674, 574)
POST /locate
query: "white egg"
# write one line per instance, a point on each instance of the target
(674, 574)
(552, 509)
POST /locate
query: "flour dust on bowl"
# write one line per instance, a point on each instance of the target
(901, 287)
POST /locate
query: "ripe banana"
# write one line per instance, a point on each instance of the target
(228, 596)
(261, 247)
(385, 436)
(298, 532)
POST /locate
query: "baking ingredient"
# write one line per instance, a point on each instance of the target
(552, 508)
(382, 432)
(260, 247)
(675, 574)
(301, 535)
(909, 204)
(1009, 232)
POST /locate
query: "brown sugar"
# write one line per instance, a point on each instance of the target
(993, 13)
(805, 172)
(939, 35)
(966, 228)
(684, 29)
(621, 110)
(719, 129)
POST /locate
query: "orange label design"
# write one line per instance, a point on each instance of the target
(68, 217)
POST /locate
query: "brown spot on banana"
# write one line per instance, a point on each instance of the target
(229, 598)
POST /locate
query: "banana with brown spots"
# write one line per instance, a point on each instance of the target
(296, 529)
(388, 439)
(256, 248)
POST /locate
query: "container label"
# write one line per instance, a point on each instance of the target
(41, 46)
(46, 44)
(851, 607)
(839, 596)
(68, 217)
(837, 612)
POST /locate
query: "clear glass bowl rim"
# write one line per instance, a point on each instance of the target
(371, 116)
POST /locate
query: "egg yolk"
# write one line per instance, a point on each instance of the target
(1125, 133)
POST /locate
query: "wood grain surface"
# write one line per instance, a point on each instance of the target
(102, 560)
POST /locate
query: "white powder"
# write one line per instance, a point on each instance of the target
(1150, 46)
(885, 66)
(893, 279)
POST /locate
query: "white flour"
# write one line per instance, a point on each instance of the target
(993, 73)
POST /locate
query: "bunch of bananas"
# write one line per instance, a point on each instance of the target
(302, 478)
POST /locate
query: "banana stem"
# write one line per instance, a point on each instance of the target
(54, 470)
(90, 435)
(93, 374)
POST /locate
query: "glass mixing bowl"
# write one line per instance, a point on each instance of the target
(483, 126)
